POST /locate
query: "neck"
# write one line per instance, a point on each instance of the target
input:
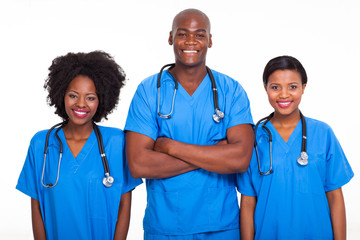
(189, 77)
(77, 132)
(186, 74)
(286, 120)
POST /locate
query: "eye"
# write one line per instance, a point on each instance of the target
(71, 95)
(91, 98)
(181, 34)
(274, 87)
(293, 86)
(200, 35)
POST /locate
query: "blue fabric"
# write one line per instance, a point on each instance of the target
(79, 206)
(220, 235)
(197, 201)
(291, 202)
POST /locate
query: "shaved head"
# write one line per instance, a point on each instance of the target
(189, 13)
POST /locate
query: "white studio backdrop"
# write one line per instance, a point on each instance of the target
(323, 35)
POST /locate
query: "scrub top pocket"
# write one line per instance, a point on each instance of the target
(104, 201)
(161, 214)
(311, 181)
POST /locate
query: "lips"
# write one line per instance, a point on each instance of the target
(80, 113)
(284, 104)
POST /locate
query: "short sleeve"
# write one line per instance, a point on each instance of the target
(240, 112)
(27, 182)
(129, 183)
(338, 170)
(244, 183)
(140, 118)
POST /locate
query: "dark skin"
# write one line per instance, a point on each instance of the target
(287, 86)
(190, 37)
(81, 97)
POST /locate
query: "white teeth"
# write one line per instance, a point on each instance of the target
(80, 113)
(189, 51)
(284, 103)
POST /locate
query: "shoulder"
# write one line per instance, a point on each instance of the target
(319, 129)
(39, 137)
(317, 124)
(221, 77)
(150, 81)
(227, 83)
(111, 131)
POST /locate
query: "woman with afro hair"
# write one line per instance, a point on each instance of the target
(68, 197)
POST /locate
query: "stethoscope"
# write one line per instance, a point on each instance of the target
(302, 160)
(107, 180)
(217, 116)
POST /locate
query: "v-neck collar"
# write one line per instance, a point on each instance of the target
(191, 99)
(86, 149)
(294, 135)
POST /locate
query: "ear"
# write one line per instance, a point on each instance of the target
(210, 41)
(265, 87)
(303, 88)
(170, 40)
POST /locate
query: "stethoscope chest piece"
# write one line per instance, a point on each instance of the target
(218, 116)
(108, 180)
(303, 159)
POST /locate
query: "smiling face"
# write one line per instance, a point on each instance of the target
(190, 37)
(81, 101)
(284, 89)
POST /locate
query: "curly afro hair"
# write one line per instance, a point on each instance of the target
(99, 66)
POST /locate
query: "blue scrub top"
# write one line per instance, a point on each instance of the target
(79, 206)
(197, 201)
(291, 202)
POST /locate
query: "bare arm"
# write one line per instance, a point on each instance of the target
(247, 210)
(337, 212)
(122, 224)
(144, 162)
(37, 221)
(228, 158)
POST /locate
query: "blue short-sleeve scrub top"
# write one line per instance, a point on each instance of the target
(291, 202)
(197, 201)
(79, 206)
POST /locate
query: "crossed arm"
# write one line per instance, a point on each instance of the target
(167, 158)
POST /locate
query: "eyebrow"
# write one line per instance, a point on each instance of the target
(78, 93)
(188, 30)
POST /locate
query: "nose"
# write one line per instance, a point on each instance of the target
(190, 39)
(81, 102)
(284, 93)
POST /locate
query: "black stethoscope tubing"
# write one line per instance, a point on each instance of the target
(107, 180)
(217, 116)
(302, 160)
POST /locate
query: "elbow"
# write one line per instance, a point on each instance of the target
(135, 173)
(241, 163)
(135, 169)
(238, 167)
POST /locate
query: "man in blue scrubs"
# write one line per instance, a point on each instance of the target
(188, 160)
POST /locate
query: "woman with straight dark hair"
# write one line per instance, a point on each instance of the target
(292, 189)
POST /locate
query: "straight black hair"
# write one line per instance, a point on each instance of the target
(284, 63)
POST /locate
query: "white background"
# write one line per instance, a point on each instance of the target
(323, 35)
